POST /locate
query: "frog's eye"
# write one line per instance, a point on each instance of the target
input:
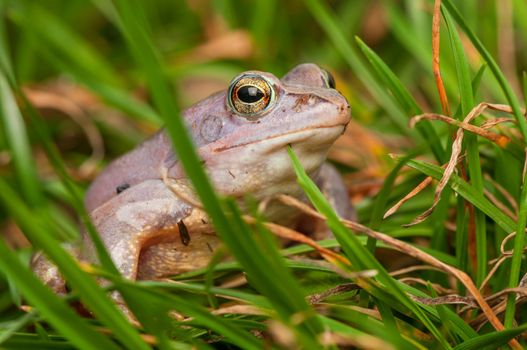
(250, 94)
(328, 78)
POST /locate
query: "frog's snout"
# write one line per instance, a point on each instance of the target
(343, 108)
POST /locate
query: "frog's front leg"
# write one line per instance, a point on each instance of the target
(48, 272)
(139, 216)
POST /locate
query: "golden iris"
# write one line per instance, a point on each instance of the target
(250, 94)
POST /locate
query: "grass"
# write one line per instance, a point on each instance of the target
(132, 66)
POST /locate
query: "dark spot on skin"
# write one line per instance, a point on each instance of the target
(122, 187)
(183, 233)
(231, 174)
(283, 110)
(210, 248)
(203, 221)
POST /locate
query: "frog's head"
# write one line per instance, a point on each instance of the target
(242, 134)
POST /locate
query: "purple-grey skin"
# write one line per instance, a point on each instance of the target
(145, 210)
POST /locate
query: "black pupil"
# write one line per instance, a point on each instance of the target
(250, 94)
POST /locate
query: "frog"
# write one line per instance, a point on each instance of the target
(144, 206)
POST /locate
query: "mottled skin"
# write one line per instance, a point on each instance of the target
(242, 155)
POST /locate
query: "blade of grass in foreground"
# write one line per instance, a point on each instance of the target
(41, 131)
(154, 321)
(200, 315)
(231, 230)
(519, 239)
(92, 295)
(53, 308)
(360, 257)
(16, 135)
(38, 231)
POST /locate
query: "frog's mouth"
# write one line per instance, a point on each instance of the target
(311, 140)
(315, 137)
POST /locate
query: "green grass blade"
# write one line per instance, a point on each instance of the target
(91, 294)
(493, 66)
(135, 31)
(60, 315)
(33, 341)
(7, 331)
(491, 341)
(461, 236)
(5, 62)
(379, 207)
(54, 157)
(468, 192)
(67, 43)
(404, 98)
(200, 315)
(260, 24)
(322, 14)
(519, 240)
(16, 136)
(255, 299)
(524, 85)
(147, 58)
(73, 190)
(390, 81)
(369, 325)
(70, 53)
(476, 82)
(471, 143)
(267, 273)
(359, 256)
(114, 96)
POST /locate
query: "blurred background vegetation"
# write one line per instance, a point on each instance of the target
(72, 62)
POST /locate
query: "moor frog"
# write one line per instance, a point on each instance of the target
(144, 208)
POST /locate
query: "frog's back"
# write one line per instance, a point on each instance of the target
(140, 164)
